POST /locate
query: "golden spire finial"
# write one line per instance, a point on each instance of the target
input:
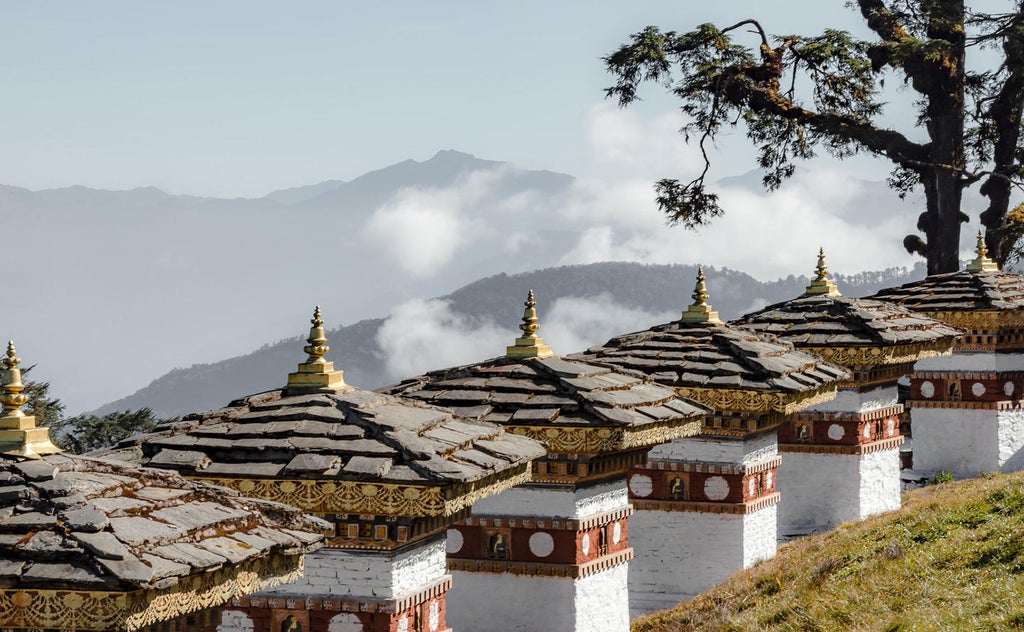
(821, 285)
(316, 372)
(530, 345)
(317, 347)
(18, 433)
(982, 263)
(12, 397)
(700, 311)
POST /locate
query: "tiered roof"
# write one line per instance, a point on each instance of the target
(330, 448)
(851, 331)
(572, 405)
(981, 299)
(87, 544)
(727, 368)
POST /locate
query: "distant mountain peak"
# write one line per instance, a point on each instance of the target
(450, 154)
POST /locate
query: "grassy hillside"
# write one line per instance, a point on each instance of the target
(951, 559)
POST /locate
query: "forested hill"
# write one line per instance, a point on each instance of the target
(617, 298)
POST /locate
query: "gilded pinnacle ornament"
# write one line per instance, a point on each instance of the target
(317, 347)
(530, 345)
(821, 285)
(982, 263)
(700, 311)
(12, 398)
(316, 373)
(18, 433)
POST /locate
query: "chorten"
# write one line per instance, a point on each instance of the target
(966, 414)
(390, 474)
(841, 458)
(94, 545)
(706, 506)
(553, 554)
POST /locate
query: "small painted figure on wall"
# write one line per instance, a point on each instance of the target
(677, 488)
(291, 624)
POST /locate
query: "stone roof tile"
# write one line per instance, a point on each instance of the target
(117, 525)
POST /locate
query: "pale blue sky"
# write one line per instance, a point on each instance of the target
(241, 98)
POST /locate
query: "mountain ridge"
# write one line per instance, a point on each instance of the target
(655, 289)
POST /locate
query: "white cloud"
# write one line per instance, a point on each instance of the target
(421, 229)
(632, 140)
(578, 322)
(421, 336)
(766, 235)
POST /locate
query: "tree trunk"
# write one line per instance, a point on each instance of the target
(941, 78)
(943, 192)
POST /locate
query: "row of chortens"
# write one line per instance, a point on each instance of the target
(529, 492)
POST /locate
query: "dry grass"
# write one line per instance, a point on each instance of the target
(951, 559)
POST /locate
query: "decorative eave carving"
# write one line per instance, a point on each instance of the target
(603, 440)
(381, 499)
(122, 610)
(875, 356)
(747, 401)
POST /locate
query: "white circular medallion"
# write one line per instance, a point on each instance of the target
(641, 485)
(752, 487)
(768, 480)
(616, 532)
(344, 622)
(978, 389)
(836, 432)
(716, 488)
(403, 624)
(585, 544)
(434, 617)
(542, 544)
(867, 431)
(1008, 388)
(454, 544)
(927, 389)
(890, 426)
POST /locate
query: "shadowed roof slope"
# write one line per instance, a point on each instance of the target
(531, 389)
(88, 544)
(703, 358)
(324, 444)
(980, 287)
(852, 330)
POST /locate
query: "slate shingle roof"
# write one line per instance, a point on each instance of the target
(83, 524)
(840, 321)
(549, 391)
(716, 356)
(959, 291)
(346, 434)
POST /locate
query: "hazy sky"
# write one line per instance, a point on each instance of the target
(241, 98)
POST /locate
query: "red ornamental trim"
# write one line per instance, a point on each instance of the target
(712, 508)
(701, 486)
(1004, 405)
(335, 604)
(713, 468)
(864, 448)
(534, 569)
(548, 523)
(871, 415)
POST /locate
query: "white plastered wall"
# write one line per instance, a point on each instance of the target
(680, 554)
(717, 449)
(368, 574)
(485, 602)
(973, 361)
(551, 502)
(821, 491)
(855, 401)
(961, 441)
(879, 482)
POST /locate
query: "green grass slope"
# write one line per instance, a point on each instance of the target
(951, 559)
